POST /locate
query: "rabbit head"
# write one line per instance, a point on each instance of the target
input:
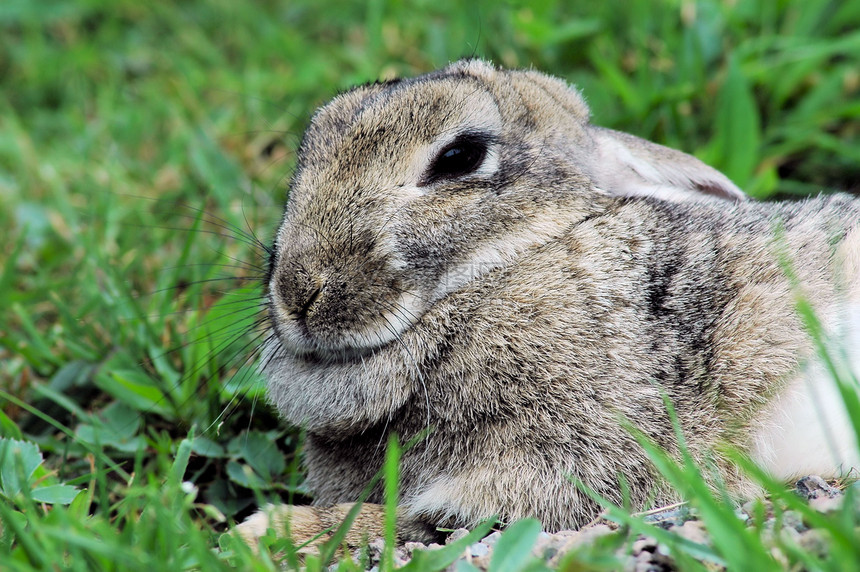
(408, 189)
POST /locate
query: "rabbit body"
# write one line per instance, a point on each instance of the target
(463, 253)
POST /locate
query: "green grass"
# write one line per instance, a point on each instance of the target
(144, 147)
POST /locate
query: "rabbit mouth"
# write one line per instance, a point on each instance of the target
(322, 341)
(323, 356)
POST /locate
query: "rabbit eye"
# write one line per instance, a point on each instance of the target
(463, 156)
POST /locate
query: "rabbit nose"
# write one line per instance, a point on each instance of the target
(295, 291)
(309, 300)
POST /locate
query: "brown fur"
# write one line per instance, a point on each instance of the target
(522, 312)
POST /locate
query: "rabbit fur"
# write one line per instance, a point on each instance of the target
(523, 302)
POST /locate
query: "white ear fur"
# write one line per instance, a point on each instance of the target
(630, 166)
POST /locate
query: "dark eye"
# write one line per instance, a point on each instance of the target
(463, 156)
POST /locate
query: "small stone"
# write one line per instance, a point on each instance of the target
(815, 541)
(758, 506)
(826, 503)
(670, 517)
(479, 549)
(570, 542)
(789, 536)
(767, 535)
(628, 564)
(413, 546)
(547, 545)
(647, 562)
(482, 562)
(548, 552)
(693, 530)
(457, 535)
(793, 519)
(595, 531)
(641, 545)
(586, 535)
(813, 487)
(663, 560)
(566, 533)
(375, 549)
(779, 556)
(492, 538)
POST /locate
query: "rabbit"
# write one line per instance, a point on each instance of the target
(464, 254)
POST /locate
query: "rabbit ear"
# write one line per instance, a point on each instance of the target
(630, 166)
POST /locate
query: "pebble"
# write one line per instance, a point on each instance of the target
(492, 538)
(793, 519)
(813, 487)
(457, 535)
(644, 544)
(645, 554)
(757, 508)
(815, 541)
(413, 546)
(694, 530)
(670, 517)
(826, 504)
(479, 549)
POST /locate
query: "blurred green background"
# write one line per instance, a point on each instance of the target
(141, 143)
